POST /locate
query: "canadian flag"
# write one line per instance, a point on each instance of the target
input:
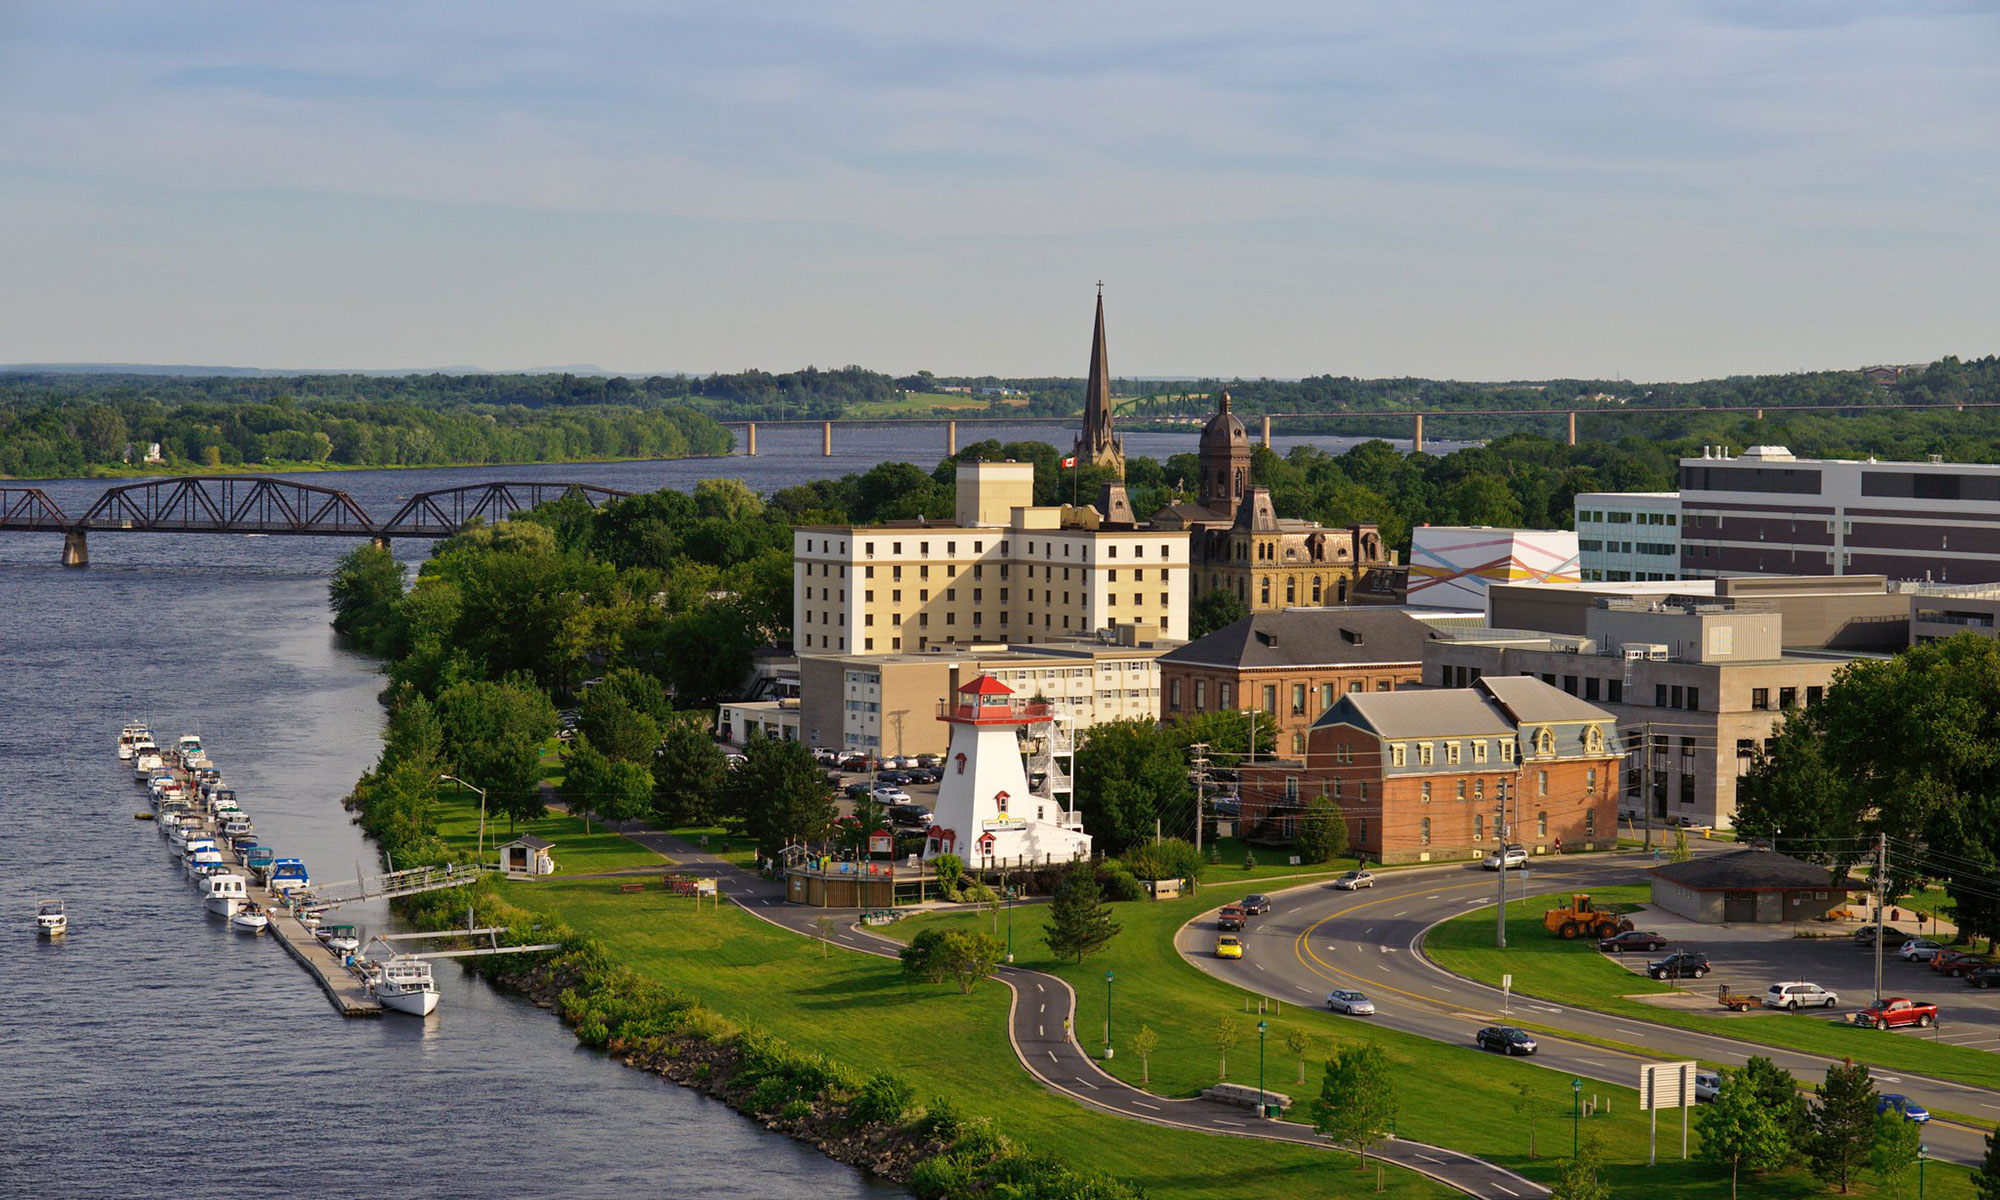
(1070, 461)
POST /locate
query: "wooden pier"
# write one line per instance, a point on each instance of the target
(341, 985)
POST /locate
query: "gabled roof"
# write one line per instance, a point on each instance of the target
(1297, 637)
(1420, 712)
(1749, 871)
(1531, 701)
(985, 685)
(532, 842)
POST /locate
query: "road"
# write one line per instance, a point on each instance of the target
(1040, 1016)
(1316, 939)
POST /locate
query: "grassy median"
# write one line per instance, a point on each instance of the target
(1575, 973)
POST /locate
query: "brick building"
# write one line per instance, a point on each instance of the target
(1294, 665)
(1423, 774)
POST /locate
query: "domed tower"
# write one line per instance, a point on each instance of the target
(1225, 461)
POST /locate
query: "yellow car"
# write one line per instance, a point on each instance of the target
(1228, 947)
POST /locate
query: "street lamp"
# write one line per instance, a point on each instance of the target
(1262, 1108)
(1007, 886)
(1107, 1014)
(1575, 1115)
(482, 810)
(1923, 1152)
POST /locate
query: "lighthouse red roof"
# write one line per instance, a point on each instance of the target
(985, 685)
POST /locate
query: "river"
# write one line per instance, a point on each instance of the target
(152, 1052)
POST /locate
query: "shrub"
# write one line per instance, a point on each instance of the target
(941, 1120)
(1249, 860)
(1119, 883)
(884, 1099)
(797, 1110)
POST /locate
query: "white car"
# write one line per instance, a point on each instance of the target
(1919, 950)
(1512, 856)
(1354, 1004)
(1706, 1085)
(889, 793)
(1795, 996)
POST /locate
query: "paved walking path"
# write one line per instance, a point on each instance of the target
(1042, 1010)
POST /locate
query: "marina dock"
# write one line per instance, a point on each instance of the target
(341, 985)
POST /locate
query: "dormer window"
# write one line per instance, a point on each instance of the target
(1545, 742)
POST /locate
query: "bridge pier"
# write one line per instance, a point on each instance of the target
(950, 438)
(1760, 414)
(826, 440)
(1572, 427)
(75, 552)
(1417, 439)
(380, 542)
(750, 438)
(1267, 431)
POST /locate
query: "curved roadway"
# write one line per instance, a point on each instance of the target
(1316, 939)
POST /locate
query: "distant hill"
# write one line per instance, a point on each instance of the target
(200, 372)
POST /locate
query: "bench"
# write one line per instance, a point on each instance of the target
(629, 888)
(1244, 1096)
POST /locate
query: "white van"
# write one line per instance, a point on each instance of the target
(1795, 996)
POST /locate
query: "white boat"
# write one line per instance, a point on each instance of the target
(51, 921)
(250, 918)
(187, 745)
(129, 737)
(289, 875)
(238, 829)
(226, 893)
(146, 761)
(340, 939)
(403, 982)
(207, 856)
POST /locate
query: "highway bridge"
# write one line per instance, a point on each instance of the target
(246, 504)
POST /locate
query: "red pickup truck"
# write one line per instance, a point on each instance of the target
(1891, 1013)
(1231, 917)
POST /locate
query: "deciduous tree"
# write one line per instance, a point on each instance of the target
(1737, 1132)
(1357, 1101)
(1322, 832)
(779, 796)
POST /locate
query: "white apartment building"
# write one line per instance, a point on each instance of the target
(1006, 570)
(1625, 537)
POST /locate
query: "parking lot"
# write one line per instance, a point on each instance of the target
(1750, 958)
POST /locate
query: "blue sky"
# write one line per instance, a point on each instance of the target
(1659, 190)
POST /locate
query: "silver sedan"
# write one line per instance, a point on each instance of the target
(1354, 1004)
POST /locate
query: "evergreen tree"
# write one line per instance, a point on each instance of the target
(1357, 1100)
(1986, 1180)
(1778, 1093)
(1079, 922)
(1844, 1127)
(689, 772)
(779, 796)
(1736, 1130)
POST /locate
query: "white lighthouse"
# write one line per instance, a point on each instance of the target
(985, 813)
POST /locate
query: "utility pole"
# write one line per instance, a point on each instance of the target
(1500, 827)
(1881, 895)
(1200, 765)
(1646, 780)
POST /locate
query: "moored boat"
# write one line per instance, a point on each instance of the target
(51, 921)
(340, 939)
(403, 982)
(226, 893)
(289, 875)
(250, 918)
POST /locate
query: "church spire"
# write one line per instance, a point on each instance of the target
(1098, 444)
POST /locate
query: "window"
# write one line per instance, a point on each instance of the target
(1298, 698)
(1760, 698)
(1788, 697)
(1451, 753)
(1364, 796)
(1298, 743)
(1353, 685)
(1224, 694)
(1545, 742)
(1479, 751)
(1541, 783)
(1694, 698)
(1569, 684)
(1589, 824)
(1424, 754)
(1174, 694)
(1427, 791)
(1506, 751)
(1676, 694)
(1615, 691)
(1541, 824)
(1271, 698)
(1659, 695)
(1478, 827)
(1292, 789)
(1813, 694)
(1396, 753)
(1325, 696)
(1593, 739)
(1424, 833)
(1461, 789)
(1383, 685)
(1687, 789)
(1479, 789)
(1590, 779)
(1201, 695)
(1590, 685)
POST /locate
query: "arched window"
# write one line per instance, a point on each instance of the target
(1424, 838)
(1545, 742)
(1291, 590)
(1316, 590)
(1264, 591)
(1298, 743)
(1342, 584)
(1593, 739)
(1478, 827)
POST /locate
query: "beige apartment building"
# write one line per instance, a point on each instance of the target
(1006, 570)
(1698, 685)
(887, 703)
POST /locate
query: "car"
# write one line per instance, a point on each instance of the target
(735, 760)
(1681, 964)
(1984, 977)
(856, 791)
(1891, 936)
(1897, 1102)
(901, 762)
(1506, 1039)
(924, 775)
(896, 777)
(1355, 881)
(1225, 806)
(1231, 917)
(1795, 996)
(1510, 856)
(1228, 946)
(1706, 1085)
(930, 761)
(889, 793)
(1632, 939)
(910, 816)
(1956, 962)
(1896, 1011)
(1919, 950)
(1354, 1004)
(1256, 904)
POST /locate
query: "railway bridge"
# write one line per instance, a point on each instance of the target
(246, 504)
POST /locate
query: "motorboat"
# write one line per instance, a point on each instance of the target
(146, 760)
(51, 921)
(289, 875)
(206, 856)
(226, 893)
(187, 745)
(129, 737)
(250, 918)
(403, 982)
(223, 800)
(237, 828)
(258, 859)
(340, 939)
(205, 871)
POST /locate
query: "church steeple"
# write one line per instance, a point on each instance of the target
(1098, 444)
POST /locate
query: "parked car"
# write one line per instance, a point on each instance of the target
(1984, 977)
(1506, 1039)
(1256, 904)
(1632, 939)
(924, 775)
(1354, 1004)
(1888, 1014)
(1956, 962)
(1231, 917)
(889, 793)
(856, 791)
(1228, 946)
(1681, 964)
(1795, 996)
(1891, 936)
(1355, 881)
(1896, 1102)
(910, 816)
(933, 761)
(1225, 806)
(901, 762)
(896, 777)
(1511, 856)
(1919, 950)
(1706, 1085)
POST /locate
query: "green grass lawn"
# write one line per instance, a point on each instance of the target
(576, 852)
(858, 1009)
(1453, 1096)
(1575, 973)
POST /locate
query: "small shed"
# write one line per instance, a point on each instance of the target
(1746, 887)
(528, 855)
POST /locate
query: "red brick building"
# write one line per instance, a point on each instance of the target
(1421, 774)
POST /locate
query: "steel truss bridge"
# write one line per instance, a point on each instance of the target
(246, 504)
